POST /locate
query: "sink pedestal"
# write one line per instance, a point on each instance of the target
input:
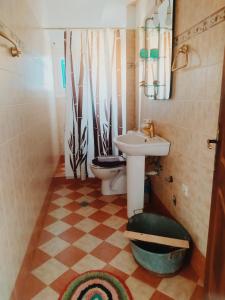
(136, 145)
(135, 184)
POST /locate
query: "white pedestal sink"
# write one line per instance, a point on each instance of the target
(136, 145)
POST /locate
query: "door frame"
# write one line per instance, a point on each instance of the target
(211, 234)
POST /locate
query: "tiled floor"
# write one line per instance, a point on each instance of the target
(78, 238)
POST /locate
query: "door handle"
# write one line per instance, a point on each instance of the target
(211, 142)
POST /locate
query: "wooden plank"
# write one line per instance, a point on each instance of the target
(157, 239)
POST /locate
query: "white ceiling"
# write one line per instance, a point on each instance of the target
(86, 13)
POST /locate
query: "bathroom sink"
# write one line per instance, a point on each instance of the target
(137, 144)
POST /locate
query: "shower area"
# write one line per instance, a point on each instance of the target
(94, 75)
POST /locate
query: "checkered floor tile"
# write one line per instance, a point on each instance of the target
(78, 238)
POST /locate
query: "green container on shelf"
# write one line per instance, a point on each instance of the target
(154, 53)
(144, 53)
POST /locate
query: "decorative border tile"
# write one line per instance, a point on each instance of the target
(204, 25)
(12, 35)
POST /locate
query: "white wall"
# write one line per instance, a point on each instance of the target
(86, 13)
(57, 48)
(131, 16)
(144, 9)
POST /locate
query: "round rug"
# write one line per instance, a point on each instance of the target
(96, 285)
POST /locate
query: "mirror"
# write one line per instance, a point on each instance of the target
(157, 53)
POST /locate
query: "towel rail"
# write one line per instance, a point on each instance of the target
(15, 51)
(182, 50)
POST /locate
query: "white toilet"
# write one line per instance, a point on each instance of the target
(113, 177)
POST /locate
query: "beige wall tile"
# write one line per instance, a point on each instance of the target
(188, 13)
(28, 147)
(189, 119)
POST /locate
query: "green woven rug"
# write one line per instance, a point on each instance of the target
(96, 285)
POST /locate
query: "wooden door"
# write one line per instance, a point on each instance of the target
(215, 259)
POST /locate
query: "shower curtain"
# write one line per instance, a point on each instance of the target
(95, 96)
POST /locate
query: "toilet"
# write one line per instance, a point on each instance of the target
(112, 172)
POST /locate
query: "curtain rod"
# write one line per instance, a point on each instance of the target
(83, 28)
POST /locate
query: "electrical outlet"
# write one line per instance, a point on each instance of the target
(185, 190)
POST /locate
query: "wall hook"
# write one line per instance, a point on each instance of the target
(15, 51)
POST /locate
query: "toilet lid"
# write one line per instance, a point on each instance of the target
(109, 161)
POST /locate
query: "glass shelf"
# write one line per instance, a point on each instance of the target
(152, 59)
(156, 55)
(153, 85)
(156, 28)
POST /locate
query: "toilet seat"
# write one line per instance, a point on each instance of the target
(109, 162)
(115, 168)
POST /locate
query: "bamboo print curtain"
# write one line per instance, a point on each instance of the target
(96, 96)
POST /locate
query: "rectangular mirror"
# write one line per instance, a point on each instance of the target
(157, 53)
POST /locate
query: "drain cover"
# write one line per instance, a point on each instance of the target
(84, 203)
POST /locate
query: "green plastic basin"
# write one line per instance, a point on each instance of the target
(160, 259)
